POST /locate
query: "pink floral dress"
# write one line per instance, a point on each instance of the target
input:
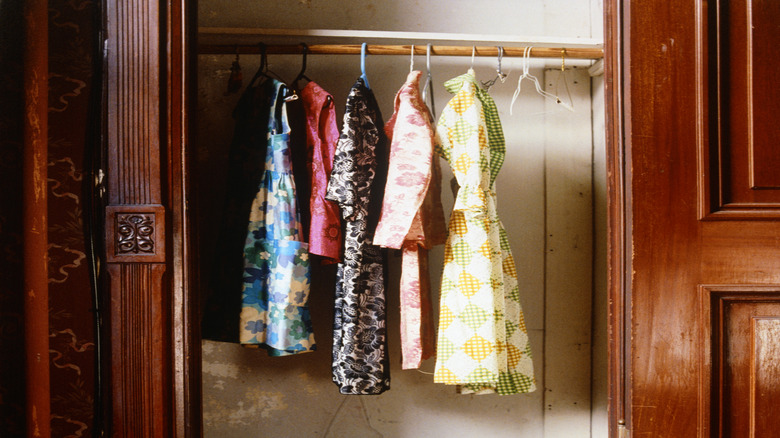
(322, 135)
(412, 215)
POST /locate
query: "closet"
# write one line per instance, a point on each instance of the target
(551, 199)
(692, 216)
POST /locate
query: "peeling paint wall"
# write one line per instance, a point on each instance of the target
(247, 393)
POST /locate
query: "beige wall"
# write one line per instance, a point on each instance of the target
(547, 194)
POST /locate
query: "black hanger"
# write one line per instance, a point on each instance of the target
(302, 74)
(261, 70)
(264, 71)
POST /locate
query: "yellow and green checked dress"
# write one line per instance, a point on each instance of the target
(483, 342)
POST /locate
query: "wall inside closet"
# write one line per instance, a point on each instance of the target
(551, 199)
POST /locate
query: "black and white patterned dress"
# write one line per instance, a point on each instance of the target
(360, 362)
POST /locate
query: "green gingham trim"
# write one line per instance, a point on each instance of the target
(496, 141)
(508, 383)
(514, 383)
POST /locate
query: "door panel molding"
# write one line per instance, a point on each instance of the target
(736, 94)
(737, 362)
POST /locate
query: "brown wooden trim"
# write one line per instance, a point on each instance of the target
(137, 231)
(35, 235)
(616, 215)
(707, 197)
(138, 351)
(133, 106)
(181, 90)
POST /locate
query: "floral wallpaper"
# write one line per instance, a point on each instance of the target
(71, 331)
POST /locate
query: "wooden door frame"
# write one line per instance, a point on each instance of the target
(150, 88)
(616, 57)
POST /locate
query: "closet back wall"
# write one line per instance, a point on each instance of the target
(545, 199)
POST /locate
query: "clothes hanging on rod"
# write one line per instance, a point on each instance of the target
(360, 357)
(246, 162)
(322, 136)
(482, 342)
(277, 277)
(412, 217)
(480, 355)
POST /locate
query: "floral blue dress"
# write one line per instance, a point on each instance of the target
(274, 312)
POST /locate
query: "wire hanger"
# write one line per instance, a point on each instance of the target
(427, 88)
(363, 76)
(473, 53)
(500, 75)
(532, 78)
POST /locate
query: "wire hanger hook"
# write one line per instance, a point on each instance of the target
(500, 75)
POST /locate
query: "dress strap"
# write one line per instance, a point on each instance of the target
(278, 123)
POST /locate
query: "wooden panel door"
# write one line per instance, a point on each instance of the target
(695, 219)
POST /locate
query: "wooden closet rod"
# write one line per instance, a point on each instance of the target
(383, 49)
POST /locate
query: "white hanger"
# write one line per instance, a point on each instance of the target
(532, 78)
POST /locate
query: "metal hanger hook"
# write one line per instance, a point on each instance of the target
(411, 60)
(501, 75)
(428, 57)
(563, 59)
